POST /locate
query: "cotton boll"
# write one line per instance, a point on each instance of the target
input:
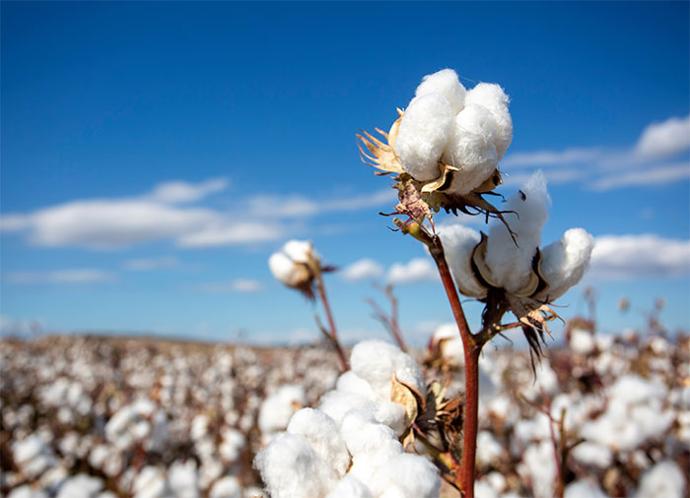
(80, 486)
(26, 491)
(277, 408)
(392, 415)
(664, 480)
(564, 262)
(484, 490)
(511, 265)
(493, 98)
(350, 382)
(350, 487)
(458, 243)
(284, 269)
(412, 475)
(584, 489)
(581, 341)
(337, 404)
(322, 434)
(446, 83)
(363, 436)
(423, 135)
(471, 149)
(299, 251)
(226, 487)
(590, 453)
(489, 450)
(374, 361)
(290, 468)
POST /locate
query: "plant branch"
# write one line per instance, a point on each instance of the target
(333, 332)
(389, 321)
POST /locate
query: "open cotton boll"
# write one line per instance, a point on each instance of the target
(664, 480)
(361, 435)
(337, 404)
(391, 414)
(493, 98)
(80, 486)
(471, 149)
(277, 408)
(412, 476)
(284, 269)
(447, 339)
(584, 489)
(350, 487)
(423, 135)
(226, 487)
(299, 251)
(459, 242)
(290, 468)
(350, 382)
(511, 265)
(446, 83)
(321, 432)
(564, 262)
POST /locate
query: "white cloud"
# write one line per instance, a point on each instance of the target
(10, 327)
(544, 158)
(118, 223)
(241, 285)
(175, 192)
(659, 140)
(148, 264)
(660, 175)
(362, 269)
(231, 234)
(638, 256)
(69, 276)
(297, 206)
(415, 270)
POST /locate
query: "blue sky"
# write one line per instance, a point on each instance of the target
(155, 154)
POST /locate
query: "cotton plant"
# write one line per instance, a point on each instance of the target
(443, 151)
(298, 266)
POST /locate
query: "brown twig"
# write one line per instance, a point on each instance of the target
(332, 331)
(389, 321)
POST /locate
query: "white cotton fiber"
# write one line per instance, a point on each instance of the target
(336, 404)
(472, 148)
(584, 488)
(511, 264)
(458, 244)
(350, 382)
(298, 251)
(664, 480)
(407, 475)
(493, 98)
(423, 135)
(447, 337)
(564, 262)
(363, 436)
(277, 408)
(446, 83)
(322, 434)
(226, 487)
(290, 468)
(350, 487)
(282, 267)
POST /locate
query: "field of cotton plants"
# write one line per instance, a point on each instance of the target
(101, 417)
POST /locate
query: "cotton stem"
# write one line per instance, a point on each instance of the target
(332, 330)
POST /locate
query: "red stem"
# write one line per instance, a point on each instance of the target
(342, 358)
(466, 472)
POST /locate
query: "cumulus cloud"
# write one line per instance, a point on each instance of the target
(415, 270)
(240, 285)
(646, 163)
(660, 175)
(148, 264)
(362, 269)
(117, 223)
(297, 206)
(175, 192)
(68, 276)
(659, 140)
(639, 256)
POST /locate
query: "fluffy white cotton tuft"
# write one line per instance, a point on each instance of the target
(282, 267)
(423, 135)
(493, 98)
(407, 476)
(291, 468)
(664, 480)
(446, 83)
(510, 264)
(564, 262)
(277, 408)
(472, 148)
(321, 432)
(226, 487)
(350, 487)
(458, 243)
(299, 251)
(584, 489)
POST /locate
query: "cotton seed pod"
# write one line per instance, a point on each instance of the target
(447, 83)
(424, 132)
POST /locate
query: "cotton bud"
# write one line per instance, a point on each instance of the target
(296, 265)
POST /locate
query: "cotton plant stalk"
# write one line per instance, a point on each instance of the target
(443, 152)
(298, 266)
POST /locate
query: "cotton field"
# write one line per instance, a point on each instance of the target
(104, 417)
